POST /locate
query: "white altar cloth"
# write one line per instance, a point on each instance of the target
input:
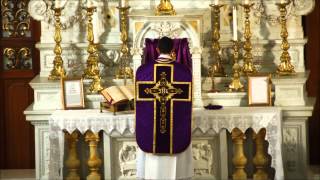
(227, 118)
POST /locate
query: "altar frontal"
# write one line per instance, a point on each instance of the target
(163, 108)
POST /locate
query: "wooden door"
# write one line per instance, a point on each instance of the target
(312, 25)
(19, 63)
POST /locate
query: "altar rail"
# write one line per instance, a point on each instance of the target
(265, 121)
(239, 159)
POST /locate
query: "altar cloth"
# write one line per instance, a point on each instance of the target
(205, 120)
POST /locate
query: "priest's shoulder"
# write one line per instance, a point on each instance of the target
(144, 66)
(182, 67)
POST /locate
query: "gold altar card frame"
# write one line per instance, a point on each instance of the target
(259, 90)
(72, 93)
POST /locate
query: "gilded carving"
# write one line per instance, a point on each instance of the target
(18, 58)
(15, 18)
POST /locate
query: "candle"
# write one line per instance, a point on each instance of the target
(89, 3)
(123, 3)
(57, 4)
(282, 1)
(246, 2)
(235, 31)
(216, 2)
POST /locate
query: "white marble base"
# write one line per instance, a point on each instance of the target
(290, 90)
(295, 149)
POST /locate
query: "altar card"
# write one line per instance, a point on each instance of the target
(72, 93)
(259, 90)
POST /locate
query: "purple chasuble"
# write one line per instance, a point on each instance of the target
(163, 107)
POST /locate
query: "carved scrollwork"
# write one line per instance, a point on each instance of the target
(15, 17)
(296, 8)
(171, 30)
(136, 51)
(127, 160)
(41, 10)
(18, 58)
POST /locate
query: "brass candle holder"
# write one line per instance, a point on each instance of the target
(92, 71)
(248, 67)
(217, 65)
(58, 71)
(236, 85)
(285, 67)
(165, 8)
(124, 71)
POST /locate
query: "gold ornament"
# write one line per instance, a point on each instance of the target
(58, 71)
(248, 67)
(285, 67)
(236, 84)
(124, 71)
(216, 67)
(92, 71)
(165, 8)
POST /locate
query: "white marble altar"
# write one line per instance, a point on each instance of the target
(203, 120)
(193, 21)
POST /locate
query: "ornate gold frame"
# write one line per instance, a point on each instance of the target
(250, 93)
(63, 93)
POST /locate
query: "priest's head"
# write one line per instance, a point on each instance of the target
(165, 45)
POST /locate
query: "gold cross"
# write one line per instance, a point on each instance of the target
(163, 91)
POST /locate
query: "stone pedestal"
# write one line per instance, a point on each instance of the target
(290, 90)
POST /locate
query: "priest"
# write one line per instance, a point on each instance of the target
(163, 117)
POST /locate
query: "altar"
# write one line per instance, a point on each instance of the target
(285, 123)
(206, 125)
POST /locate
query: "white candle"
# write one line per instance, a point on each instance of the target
(123, 3)
(216, 2)
(235, 26)
(246, 2)
(89, 3)
(57, 4)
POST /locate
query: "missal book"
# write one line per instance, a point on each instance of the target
(118, 94)
(118, 98)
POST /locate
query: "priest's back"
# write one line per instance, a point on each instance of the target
(163, 119)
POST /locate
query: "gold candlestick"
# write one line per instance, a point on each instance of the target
(124, 71)
(248, 67)
(216, 66)
(285, 67)
(92, 71)
(58, 71)
(235, 84)
(165, 8)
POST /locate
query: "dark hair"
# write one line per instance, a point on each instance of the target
(165, 45)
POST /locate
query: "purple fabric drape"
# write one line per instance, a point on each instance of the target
(181, 48)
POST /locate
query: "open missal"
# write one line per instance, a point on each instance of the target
(118, 98)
